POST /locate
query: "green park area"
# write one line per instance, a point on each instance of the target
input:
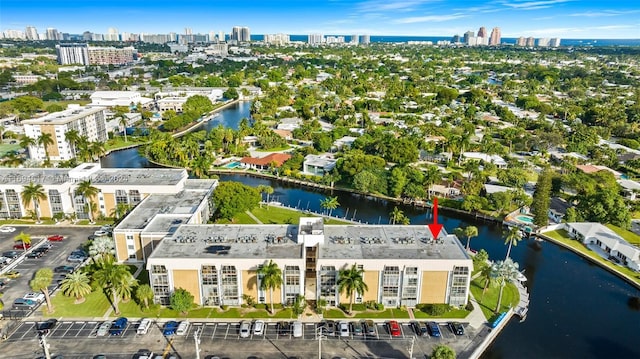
(274, 215)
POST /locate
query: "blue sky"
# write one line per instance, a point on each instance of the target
(538, 18)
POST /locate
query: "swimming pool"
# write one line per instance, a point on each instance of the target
(232, 165)
(525, 219)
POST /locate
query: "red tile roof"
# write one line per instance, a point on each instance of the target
(278, 158)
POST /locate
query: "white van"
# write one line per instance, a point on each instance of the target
(297, 329)
(183, 328)
(144, 325)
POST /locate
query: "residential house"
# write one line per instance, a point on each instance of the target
(480, 156)
(263, 163)
(558, 209)
(318, 165)
(605, 243)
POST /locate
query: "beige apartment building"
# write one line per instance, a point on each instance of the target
(218, 264)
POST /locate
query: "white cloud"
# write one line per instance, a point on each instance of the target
(429, 18)
(604, 13)
(391, 5)
(568, 31)
(532, 5)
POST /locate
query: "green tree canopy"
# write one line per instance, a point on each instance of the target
(234, 197)
(181, 300)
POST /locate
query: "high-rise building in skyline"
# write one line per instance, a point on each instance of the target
(354, 39)
(315, 39)
(53, 34)
(555, 42)
(521, 41)
(31, 33)
(467, 36)
(276, 39)
(531, 42)
(241, 34)
(544, 42)
(112, 34)
(482, 32)
(455, 39)
(188, 31)
(496, 37)
(365, 39)
(72, 54)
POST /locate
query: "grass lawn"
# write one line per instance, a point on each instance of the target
(453, 314)
(95, 305)
(563, 237)
(6, 147)
(118, 142)
(488, 302)
(279, 215)
(625, 234)
(26, 221)
(391, 313)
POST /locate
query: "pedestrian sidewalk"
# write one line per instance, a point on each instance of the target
(476, 318)
(253, 217)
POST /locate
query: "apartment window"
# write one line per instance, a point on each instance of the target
(390, 285)
(261, 292)
(328, 284)
(13, 202)
(160, 284)
(121, 197)
(291, 283)
(134, 197)
(459, 282)
(210, 290)
(229, 280)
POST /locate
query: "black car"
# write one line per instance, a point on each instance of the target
(420, 328)
(64, 269)
(42, 249)
(44, 328)
(456, 328)
(284, 327)
(35, 255)
(11, 254)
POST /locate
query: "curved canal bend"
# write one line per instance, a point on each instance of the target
(577, 310)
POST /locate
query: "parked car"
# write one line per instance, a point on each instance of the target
(118, 327)
(245, 329)
(100, 233)
(42, 249)
(55, 238)
(64, 269)
(4, 261)
(370, 327)
(144, 354)
(103, 329)
(21, 245)
(434, 329)
(35, 255)
(331, 328)
(394, 328)
(7, 229)
(170, 328)
(258, 327)
(38, 297)
(456, 328)
(44, 328)
(76, 258)
(12, 274)
(22, 303)
(297, 329)
(420, 328)
(183, 327)
(284, 328)
(144, 325)
(344, 329)
(357, 328)
(11, 254)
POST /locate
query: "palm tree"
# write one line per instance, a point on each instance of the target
(45, 140)
(396, 214)
(111, 277)
(102, 248)
(329, 203)
(25, 238)
(41, 282)
(123, 122)
(120, 210)
(512, 237)
(350, 281)
(487, 276)
(125, 288)
(73, 137)
(12, 160)
(33, 193)
(87, 190)
(76, 285)
(504, 271)
(96, 149)
(470, 231)
(271, 278)
(144, 293)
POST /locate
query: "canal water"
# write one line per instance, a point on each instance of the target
(577, 310)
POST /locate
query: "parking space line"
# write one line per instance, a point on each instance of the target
(227, 332)
(81, 329)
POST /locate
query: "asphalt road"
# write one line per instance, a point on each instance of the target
(75, 339)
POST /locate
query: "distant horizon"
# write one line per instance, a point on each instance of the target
(571, 19)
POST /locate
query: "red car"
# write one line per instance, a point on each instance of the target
(55, 238)
(21, 246)
(394, 329)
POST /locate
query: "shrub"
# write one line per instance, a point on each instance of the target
(260, 306)
(469, 306)
(435, 309)
(359, 307)
(379, 306)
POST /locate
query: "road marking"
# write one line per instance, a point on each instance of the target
(81, 329)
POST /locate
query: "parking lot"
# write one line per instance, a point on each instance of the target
(56, 256)
(223, 339)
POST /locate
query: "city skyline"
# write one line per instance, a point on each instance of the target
(537, 18)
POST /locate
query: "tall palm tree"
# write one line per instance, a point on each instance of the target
(102, 248)
(45, 140)
(329, 203)
(504, 271)
(96, 149)
(87, 191)
(487, 276)
(271, 278)
(126, 287)
(512, 237)
(73, 137)
(123, 122)
(120, 210)
(41, 282)
(12, 160)
(470, 231)
(24, 238)
(396, 214)
(76, 285)
(350, 281)
(144, 293)
(33, 193)
(111, 277)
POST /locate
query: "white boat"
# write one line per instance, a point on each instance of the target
(521, 277)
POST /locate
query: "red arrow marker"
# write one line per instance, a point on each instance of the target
(435, 227)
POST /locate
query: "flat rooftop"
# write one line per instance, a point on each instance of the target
(138, 176)
(279, 241)
(169, 207)
(62, 117)
(43, 176)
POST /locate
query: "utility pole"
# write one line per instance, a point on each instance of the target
(45, 346)
(196, 338)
